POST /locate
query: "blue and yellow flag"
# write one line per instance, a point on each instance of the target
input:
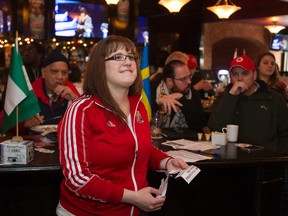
(145, 72)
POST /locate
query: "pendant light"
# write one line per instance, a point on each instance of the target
(112, 2)
(274, 28)
(224, 9)
(173, 6)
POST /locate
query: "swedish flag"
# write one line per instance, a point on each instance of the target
(145, 72)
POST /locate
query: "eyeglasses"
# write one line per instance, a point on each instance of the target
(121, 57)
(184, 79)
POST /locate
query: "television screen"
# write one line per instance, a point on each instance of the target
(279, 42)
(80, 19)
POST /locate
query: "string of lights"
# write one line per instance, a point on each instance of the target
(68, 45)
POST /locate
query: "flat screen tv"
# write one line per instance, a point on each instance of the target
(70, 24)
(279, 42)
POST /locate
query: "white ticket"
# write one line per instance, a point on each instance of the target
(163, 187)
(189, 174)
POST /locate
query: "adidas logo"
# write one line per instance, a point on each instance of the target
(111, 124)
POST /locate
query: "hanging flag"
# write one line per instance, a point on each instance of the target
(145, 72)
(19, 93)
(235, 53)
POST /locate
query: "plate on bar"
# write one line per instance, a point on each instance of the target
(45, 128)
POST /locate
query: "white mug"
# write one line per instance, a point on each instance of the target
(218, 138)
(232, 132)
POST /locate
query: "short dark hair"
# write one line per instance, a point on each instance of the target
(75, 74)
(39, 47)
(169, 68)
(83, 10)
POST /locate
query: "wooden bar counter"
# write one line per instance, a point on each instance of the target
(238, 183)
(33, 188)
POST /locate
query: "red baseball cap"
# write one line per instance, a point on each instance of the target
(244, 62)
(192, 61)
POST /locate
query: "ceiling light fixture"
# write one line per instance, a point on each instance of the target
(112, 2)
(224, 8)
(173, 6)
(274, 28)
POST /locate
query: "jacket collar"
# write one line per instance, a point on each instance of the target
(40, 91)
(134, 102)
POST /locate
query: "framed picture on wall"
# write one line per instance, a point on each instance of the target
(37, 18)
(5, 17)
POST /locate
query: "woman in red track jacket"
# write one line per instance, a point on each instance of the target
(105, 142)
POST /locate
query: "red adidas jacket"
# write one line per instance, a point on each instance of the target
(101, 156)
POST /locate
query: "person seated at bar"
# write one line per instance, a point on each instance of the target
(33, 56)
(197, 82)
(105, 145)
(75, 76)
(268, 71)
(53, 91)
(181, 103)
(176, 55)
(156, 77)
(262, 114)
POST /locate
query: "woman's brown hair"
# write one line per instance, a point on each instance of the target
(95, 80)
(274, 78)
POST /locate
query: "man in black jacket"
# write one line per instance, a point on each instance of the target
(175, 97)
(261, 113)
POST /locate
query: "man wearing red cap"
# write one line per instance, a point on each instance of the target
(262, 114)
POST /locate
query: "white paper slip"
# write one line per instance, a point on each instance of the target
(187, 156)
(189, 174)
(191, 145)
(163, 187)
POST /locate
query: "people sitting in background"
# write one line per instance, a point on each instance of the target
(75, 76)
(33, 56)
(53, 91)
(261, 113)
(268, 71)
(156, 78)
(176, 55)
(198, 82)
(181, 103)
(106, 147)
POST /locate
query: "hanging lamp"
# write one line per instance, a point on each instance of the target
(112, 2)
(224, 9)
(274, 28)
(173, 6)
